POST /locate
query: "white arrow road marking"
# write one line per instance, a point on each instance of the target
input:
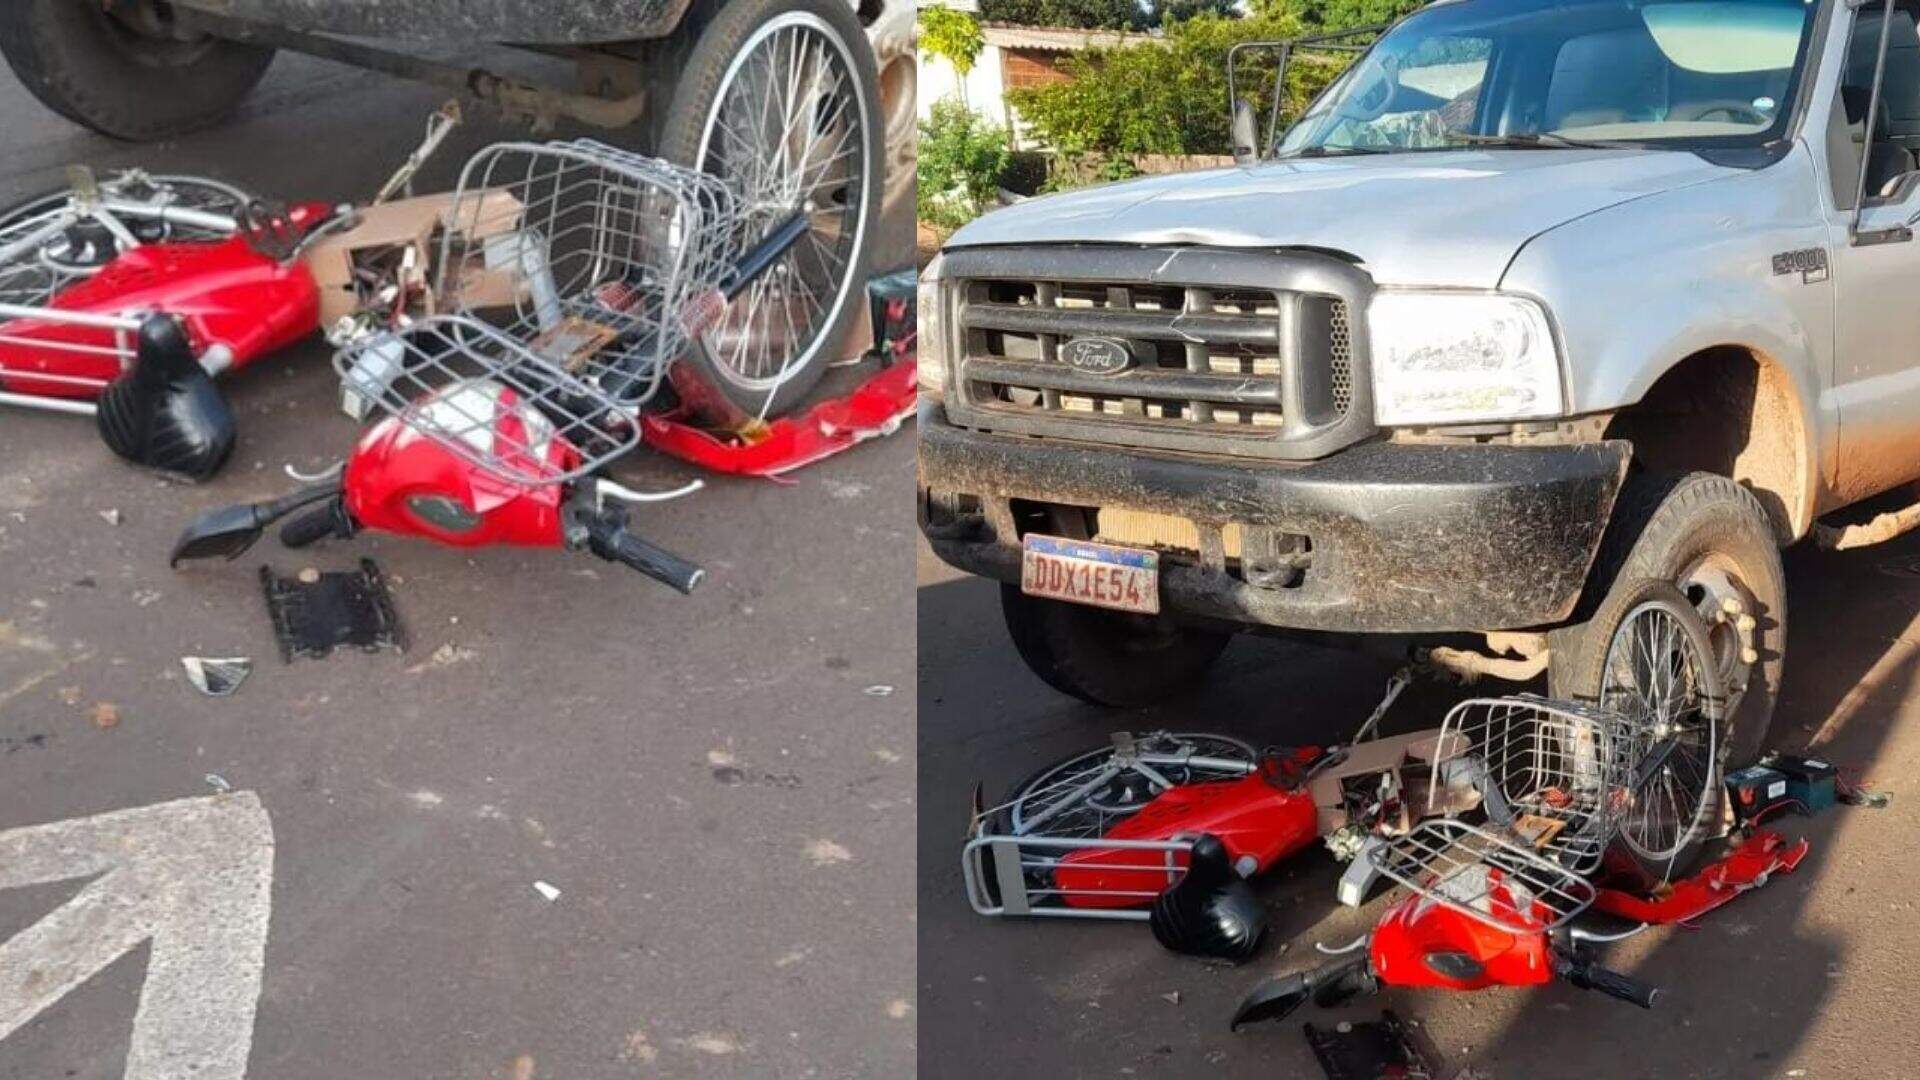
(196, 878)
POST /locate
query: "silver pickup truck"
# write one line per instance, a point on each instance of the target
(1533, 339)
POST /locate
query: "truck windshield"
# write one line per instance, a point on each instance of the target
(1679, 74)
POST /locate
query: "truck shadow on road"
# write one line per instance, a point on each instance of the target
(1760, 987)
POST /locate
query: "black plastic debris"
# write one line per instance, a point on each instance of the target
(1375, 1050)
(313, 618)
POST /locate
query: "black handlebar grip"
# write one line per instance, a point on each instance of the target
(608, 538)
(1588, 975)
(311, 527)
(658, 563)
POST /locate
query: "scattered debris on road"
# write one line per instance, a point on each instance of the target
(1370, 1050)
(217, 677)
(311, 619)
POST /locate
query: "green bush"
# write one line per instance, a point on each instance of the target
(1169, 96)
(961, 159)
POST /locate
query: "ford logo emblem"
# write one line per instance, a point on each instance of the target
(1097, 355)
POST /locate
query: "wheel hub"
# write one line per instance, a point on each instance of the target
(1726, 606)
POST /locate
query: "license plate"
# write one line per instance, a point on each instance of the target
(1083, 572)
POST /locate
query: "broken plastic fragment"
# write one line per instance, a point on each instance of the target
(546, 891)
(217, 676)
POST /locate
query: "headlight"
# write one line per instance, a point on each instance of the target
(930, 333)
(1451, 358)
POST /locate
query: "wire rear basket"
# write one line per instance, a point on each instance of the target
(49, 353)
(574, 273)
(1046, 851)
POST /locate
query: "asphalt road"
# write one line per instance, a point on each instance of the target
(720, 787)
(1810, 977)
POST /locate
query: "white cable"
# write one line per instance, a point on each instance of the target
(1588, 935)
(606, 489)
(327, 473)
(1352, 946)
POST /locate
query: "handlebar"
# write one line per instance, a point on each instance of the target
(607, 537)
(1582, 972)
(328, 521)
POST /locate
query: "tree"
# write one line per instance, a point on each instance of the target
(955, 37)
(1083, 14)
(1343, 14)
(1165, 12)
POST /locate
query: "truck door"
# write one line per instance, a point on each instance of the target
(1876, 376)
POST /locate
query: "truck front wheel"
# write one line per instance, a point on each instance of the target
(1709, 537)
(125, 69)
(1107, 657)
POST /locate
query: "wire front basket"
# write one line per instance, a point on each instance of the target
(1484, 876)
(488, 399)
(572, 274)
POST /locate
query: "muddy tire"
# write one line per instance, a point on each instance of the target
(1648, 657)
(1710, 537)
(785, 341)
(124, 76)
(1107, 657)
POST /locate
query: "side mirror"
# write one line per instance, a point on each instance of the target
(1246, 137)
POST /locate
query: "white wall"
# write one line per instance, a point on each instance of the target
(938, 80)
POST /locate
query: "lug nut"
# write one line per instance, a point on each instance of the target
(1731, 605)
(1749, 654)
(1745, 623)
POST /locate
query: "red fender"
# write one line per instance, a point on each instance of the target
(1749, 866)
(876, 408)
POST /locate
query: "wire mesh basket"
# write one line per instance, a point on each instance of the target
(573, 274)
(614, 259)
(1550, 780)
(1046, 851)
(1483, 875)
(1552, 775)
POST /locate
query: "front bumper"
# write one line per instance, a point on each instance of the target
(1403, 538)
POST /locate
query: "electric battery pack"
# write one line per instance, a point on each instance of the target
(1811, 782)
(1753, 789)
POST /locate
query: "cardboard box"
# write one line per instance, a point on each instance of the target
(1416, 750)
(389, 228)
